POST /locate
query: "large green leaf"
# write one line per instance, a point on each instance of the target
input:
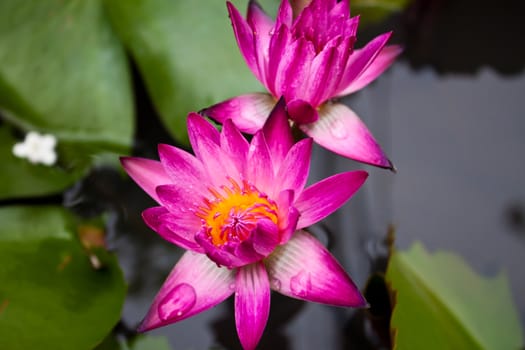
(187, 53)
(51, 297)
(440, 303)
(63, 71)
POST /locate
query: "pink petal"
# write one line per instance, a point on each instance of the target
(284, 14)
(288, 215)
(180, 200)
(294, 170)
(359, 61)
(182, 167)
(341, 131)
(176, 230)
(235, 145)
(221, 256)
(194, 285)
(278, 133)
(260, 169)
(293, 70)
(302, 112)
(252, 304)
(199, 130)
(248, 112)
(382, 61)
(279, 42)
(244, 35)
(147, 173)
(323, 198)
(261, 25)
(216, 162)
(304, 269)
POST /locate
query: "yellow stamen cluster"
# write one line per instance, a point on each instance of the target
(232, 214)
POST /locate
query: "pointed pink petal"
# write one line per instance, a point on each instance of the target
(252, 304)
(260, 169)
(284, 14)
(235, 145)
(341, 131)
(279, 42)
(294, 67)
(288, 215)
(326, 196)
(304, 269)
(199, 129)
(359, 61)
(178, 199)
(195, 284)
(182, 167)
(383, 60)
(294, 170)
(216, 162)
(262, 28)
(245, 39)
(177, 230)
(248, 112)
(147, 173)
(278, 133)
(302, 112)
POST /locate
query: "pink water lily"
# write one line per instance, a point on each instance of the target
(240, 208)
(309, 60)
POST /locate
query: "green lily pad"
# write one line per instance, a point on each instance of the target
(140, 342)
(186, 52)
(63, 71)
(51, 297)
(441, 303)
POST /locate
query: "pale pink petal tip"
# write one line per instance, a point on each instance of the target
(252, 304)
(248, 112)
(324, 197)
(304, 269)
(341, 131)
(147, 173)
(195, 284)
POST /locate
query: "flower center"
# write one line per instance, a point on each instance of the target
(232, 214)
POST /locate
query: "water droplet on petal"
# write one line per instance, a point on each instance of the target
(177, 302)
(276, 284)
(232, 286)
(301, 284)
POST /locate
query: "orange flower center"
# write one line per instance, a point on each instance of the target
(232, 214)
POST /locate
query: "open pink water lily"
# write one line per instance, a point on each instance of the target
(309, 60)
(239, 208)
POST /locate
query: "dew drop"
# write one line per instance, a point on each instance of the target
(177, 302)
(301, 284)
(232, 286)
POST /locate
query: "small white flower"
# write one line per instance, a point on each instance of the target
(37, 148)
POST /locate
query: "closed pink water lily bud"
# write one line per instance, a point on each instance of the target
(309, 59)
(239, 208)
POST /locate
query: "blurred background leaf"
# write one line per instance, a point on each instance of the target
(186, 53)
(51, 296)
(440, 303)
(63, 71)
(376, 10)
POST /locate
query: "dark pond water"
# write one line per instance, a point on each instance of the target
(450, 115)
